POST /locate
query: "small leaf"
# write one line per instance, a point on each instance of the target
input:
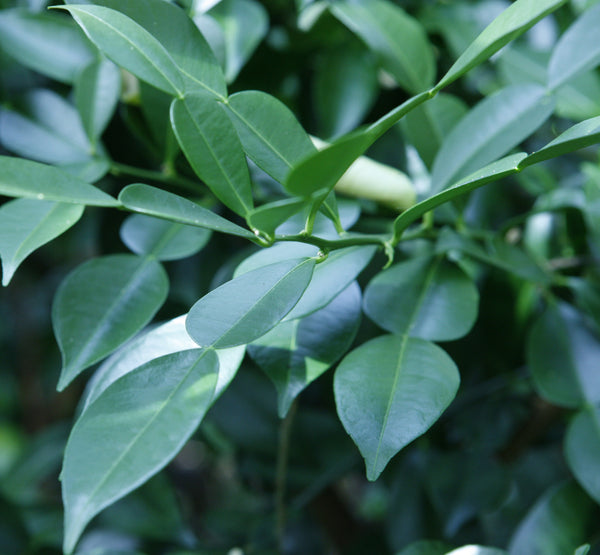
(579, 136)
(577, 50)
(101, 304)
(47, 43)
(385, 406)
(562, 354)
(163, 239)
(423, 297)
(146, 430)
(511, 23)
(27, 224)
(295, 353)
(153, 201)
(248, 306)
(398, 39)
(497, 124)
(24, 178)
(211, 145)
(271, 135)
(97, 92)
(268, 217)
(129, 45)
(425, 547)
(582, 449)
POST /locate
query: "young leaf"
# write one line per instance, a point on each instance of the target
(170, 337)
(295, 353)
(101, 304)
(268, 217)
(129, 45)
(47, 43)
(577, 50)
(423, 297)
(511, 23)
(160, 238)
(97, 92)
(582, 449)
(146, 199)
(398, 39)
(582, 134)
(27, 224)
(24, 178)
(211, 145)
(562, 354)
(384, 406)
(249, 305)
(497, 124)
(271, 135)
(146, 430)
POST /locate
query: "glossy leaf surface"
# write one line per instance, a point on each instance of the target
(269, 217)
(423, 297)
(387, 404)
(102, 304)
(146, 431)
(248, 306)
(27, 224)
(211, 145)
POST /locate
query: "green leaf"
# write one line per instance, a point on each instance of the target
(24, 178)
(582, 449)
(146, 199)
(295, 353)
(97, 92)
(47, 43)
(271, 135)
(577, 50)
(496, 125)
(566, 511)
(423, 297)
(268, 217)
(170, 337)
(425, 547)
(477, 550)
(398, 39)
(129, 45)
(211, 145)
(245, 23)
(160, 238)
(385, 406)
(562, 353)
(101, 304)
(27, 224)
(583, 550)
(49, 130)
(248, 306)
(146, 431)
(579, 136)
(511, 23)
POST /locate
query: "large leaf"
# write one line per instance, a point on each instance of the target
(582, 449)
(398, 39)
(24, 178)
(26, 224)
(577, 50)
(211, 145)
(146, 430)
(163, 239)
(565, 511)
(47, 43)
(512, 22)
(423, 297)
(384, 406)
(248, 306)
(146, 199)
(497, 124)
(129, 45)
(563, 356)
(101, 304)
(295, 353)
(270, 133)
(170, 337)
